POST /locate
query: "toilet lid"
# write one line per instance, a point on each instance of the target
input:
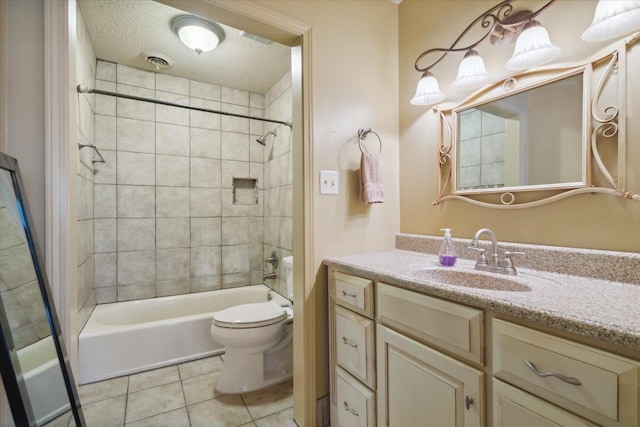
(250, 315)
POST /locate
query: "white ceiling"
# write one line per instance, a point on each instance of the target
(120, 30)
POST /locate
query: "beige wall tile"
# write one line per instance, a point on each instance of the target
(172, 233)
(136, 135)
(172, 202)
(205, 173)
(205, 232)
(205, 143)
(172, 139)
(172, 171)
(205, 202)
(136, 168)
(137, 234)
(173, 264)
(136, 267)
(136, 201)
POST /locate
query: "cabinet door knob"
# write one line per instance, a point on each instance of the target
(570, 380)
(347, 341)
(468, 401)
(349, 409)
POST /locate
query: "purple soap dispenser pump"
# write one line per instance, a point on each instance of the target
(447, 255)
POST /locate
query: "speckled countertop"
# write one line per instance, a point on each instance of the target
(604, 310)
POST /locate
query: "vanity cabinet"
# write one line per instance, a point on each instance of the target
(402, 358)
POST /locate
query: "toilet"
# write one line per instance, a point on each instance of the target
(258, 340)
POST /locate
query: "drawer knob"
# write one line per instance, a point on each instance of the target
(468, 401)
(570, 380)
(349, 409)
(347, 341)
(348, 294)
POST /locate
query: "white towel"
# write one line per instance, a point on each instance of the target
(371, 187)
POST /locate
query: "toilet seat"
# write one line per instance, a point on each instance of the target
(253, 315)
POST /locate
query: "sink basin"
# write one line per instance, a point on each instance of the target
(470, 279)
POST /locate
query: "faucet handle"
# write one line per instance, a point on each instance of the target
(507, 262)
(482, 258)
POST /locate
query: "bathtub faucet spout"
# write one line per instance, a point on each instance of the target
(269, 276)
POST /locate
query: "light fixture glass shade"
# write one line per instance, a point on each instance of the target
(197, 33)
(428, 91)
(533, 48)
(613, 19)
(472, 73)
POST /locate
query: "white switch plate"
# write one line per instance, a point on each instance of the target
(328, 182)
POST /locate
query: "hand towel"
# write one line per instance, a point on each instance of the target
(371, 187)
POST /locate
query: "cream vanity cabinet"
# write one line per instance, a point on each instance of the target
(401, 358)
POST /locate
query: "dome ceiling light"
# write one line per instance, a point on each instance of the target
(197, 33)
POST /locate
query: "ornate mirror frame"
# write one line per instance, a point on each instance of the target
(603, 123)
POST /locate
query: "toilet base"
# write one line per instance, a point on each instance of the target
(243, 372)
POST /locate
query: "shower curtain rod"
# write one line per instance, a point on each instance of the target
(171, 104)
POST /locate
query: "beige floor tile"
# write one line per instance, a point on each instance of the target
(103, 390)
(154, 401)
(199, 367)
(269, 400)
(177, 418)
(249, 424)
(225, 411)
(200, 388)
(154, 378)
(279, 419)
(105, 413)
(64, 420)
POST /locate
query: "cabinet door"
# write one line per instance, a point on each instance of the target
(418, 386)
(514, 407)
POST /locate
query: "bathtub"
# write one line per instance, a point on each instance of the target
(127, 337)
(43, 379)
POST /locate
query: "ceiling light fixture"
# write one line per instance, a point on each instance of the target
(613, 19)
(505, 26)
(197, 33)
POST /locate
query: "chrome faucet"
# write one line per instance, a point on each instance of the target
(274, 261)
(493, 264)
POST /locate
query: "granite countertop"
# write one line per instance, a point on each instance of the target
(600, 309)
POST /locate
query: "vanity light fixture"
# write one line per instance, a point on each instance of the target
(613, 18)
(197, 33)
(505, 26)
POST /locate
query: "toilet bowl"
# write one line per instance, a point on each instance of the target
(258, 340)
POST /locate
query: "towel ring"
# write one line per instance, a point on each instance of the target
(362, 135)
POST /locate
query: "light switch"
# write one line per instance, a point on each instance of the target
(328, 182)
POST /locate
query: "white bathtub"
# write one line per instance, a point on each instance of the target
(132, 336)
(43, 379)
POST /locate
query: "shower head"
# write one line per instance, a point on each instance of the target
(262, 139)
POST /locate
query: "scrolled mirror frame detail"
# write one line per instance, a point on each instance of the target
(605, 122)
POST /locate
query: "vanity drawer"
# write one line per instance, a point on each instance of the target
(354, 293)
(607, 392)
(355, 403)
(355, 346)
(450, 326)
(514, 407)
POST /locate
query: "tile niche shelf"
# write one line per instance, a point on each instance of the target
(245, 191)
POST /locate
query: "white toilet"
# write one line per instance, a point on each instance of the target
(258, 340)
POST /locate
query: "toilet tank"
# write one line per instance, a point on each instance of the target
(287, 262)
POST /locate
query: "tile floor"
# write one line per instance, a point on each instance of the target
(183, 396)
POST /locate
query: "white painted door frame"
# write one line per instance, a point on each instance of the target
(60, 155)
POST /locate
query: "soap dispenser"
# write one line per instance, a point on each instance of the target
(447, 255)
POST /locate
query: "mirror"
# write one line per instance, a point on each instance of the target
(535, 137)
(33, 363)
(538, 136)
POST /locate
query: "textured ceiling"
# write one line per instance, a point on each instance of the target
(120, 30)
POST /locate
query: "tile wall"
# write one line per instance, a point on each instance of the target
(164, 218)
(482, 140)
(85, 72)
(278, 177)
